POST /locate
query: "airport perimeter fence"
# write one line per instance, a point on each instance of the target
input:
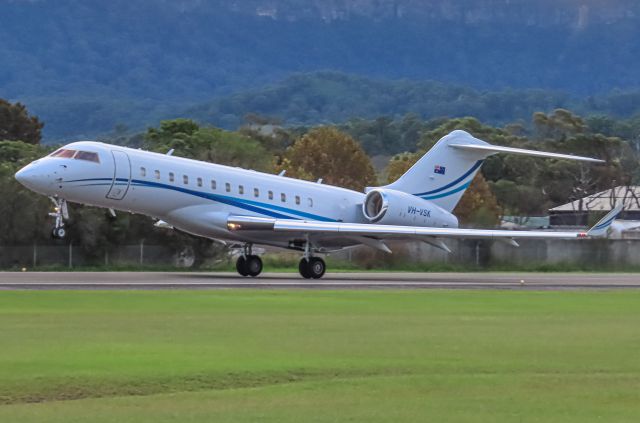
(590, 254)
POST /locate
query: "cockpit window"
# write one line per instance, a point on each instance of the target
(87, 155)
(75, 154)
(64, 152)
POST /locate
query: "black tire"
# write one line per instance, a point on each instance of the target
(241, 266)
(61, 232)
(303, 268)
(316, 267)
(253, 266)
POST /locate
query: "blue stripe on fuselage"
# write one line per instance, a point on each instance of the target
(255, 206)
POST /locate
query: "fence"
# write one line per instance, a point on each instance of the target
(70, 255)
(578, 253)
(588, 253)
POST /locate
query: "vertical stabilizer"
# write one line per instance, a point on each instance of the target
(443, 174)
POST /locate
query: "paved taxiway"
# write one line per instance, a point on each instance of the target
(192, 280)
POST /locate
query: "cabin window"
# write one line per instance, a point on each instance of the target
(310, 201)
(157, 174)
(283, 197)
(213, 184)
(88, 156)
(227, 187)
(171, 177)
(199, 182)
(241, 189)
(270, 195)
(185, 179)
(297, 199)
(143, 172)
(256, 192)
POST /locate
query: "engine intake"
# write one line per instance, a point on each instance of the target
(375, 206)
(390, 207)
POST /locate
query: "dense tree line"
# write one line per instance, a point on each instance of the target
(331, 98)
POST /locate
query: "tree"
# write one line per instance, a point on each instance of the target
(478, 206)
(24, 216)
(558, 125)
(208, 144)
(17, 125)
(331, 155)
(268, 132)
(399, 164)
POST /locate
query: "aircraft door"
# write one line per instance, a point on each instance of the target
(121, 175)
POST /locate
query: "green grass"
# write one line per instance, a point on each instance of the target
(291, 356)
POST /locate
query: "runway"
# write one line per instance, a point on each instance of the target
(372, 280)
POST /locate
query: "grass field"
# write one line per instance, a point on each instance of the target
(320, 356)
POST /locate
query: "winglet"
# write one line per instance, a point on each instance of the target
(600, 229)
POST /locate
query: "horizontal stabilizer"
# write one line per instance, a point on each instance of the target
(600, 229)
(492, 149)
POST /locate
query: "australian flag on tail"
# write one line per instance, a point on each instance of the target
(439, 169)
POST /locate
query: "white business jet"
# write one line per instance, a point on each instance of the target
(247, 208)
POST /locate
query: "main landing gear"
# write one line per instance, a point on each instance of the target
(60, 213)
(249, 264)
(311, 267)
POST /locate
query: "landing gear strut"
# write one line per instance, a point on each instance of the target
(311, 267)
(60, 213)
(249, 264)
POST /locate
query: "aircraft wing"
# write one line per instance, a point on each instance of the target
(240, 223)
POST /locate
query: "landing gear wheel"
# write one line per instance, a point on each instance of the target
(317, 267)
(249, 265)
(253, 265)
(59, 232)
(303, 268)
(312, 268)
(241, 266)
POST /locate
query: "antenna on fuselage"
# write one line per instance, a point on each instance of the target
(319, 181)
(170, 152)
(283, 172)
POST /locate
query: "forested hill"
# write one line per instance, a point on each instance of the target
(121, 59)
(198, 49)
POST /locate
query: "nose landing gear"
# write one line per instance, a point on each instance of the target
(60, 213)
(249, 264)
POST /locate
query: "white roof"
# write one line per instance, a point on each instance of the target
(605, 200)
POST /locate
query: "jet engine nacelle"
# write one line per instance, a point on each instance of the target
(391, 207)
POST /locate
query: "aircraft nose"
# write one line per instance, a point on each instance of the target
(24, 176)
(31, 177)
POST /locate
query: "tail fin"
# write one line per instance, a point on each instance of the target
(444, 173)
